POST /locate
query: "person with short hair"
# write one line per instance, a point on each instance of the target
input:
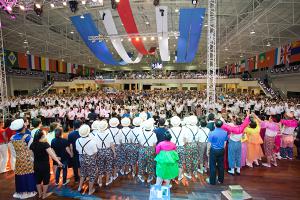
(216, 145)
(160, 130)
(63, 151)
(72, 138)
(37, 124)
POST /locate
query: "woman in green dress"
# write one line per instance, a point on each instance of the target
(166, 161)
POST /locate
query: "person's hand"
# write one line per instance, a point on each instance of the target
(248, 113)
(60, 164)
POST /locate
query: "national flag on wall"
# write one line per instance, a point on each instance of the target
(261, 60)
(256, 61)
(242, 66)
(23, 60)
(52, 65)
(74, 69)
(277, 56)
(44, 64)
(11, 59)
(270, 58)
(92, 71)
(87, 71)
(295, 52)
(69, 68)
(79, 70)
(252, 64)
(34, 62)
(285, 54)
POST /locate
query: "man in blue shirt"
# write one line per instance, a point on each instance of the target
(216, 141)
(72, 137)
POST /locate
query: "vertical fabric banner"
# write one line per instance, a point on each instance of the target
(11, 59)
(162, 32)
(92, 71)
(270, 58)
(69, 66)
(43, 63)
(295, 52)
(277, 56)
(261, 60)
(23, 60)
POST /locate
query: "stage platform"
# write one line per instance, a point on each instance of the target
(282, 182)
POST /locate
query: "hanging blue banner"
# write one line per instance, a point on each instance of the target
(190, 28)
(86, 27)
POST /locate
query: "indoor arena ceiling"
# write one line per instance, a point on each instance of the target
(52, 35)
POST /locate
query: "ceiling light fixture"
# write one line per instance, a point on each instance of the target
(194, 2)
(22, 7)
(137, 39)
(83, 2)
(226, 49)
(81, 16)
(72, 32)
(122, 40)
(129, 39)
(52, 5)
(144, 38)
(152, 38)
(64, 3)
(176, 10)
(241, 56)
(160, 38)
(38, 9)
(205, 25)
(147, 23)
(156, 2)
(269, 44)
(73, 6)
(252, 32)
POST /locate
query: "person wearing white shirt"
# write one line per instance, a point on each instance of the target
(202, 145)
(106, 151)
(71, 117)
(191, 135)
(87, 149)
(257, 108)
(146, 161)
(125, 133)
(178, 139)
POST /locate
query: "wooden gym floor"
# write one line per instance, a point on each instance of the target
(282, 182)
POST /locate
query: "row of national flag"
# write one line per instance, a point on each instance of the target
(286, 54)
(17, 60)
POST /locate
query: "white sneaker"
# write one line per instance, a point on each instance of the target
(195, 174)
(122, 172)
(180, 177)
(200, 171)
(115, 177)
(266, 165)
(67, 181)
(186, 175)
(141, 178)
(109, 182)
(149, 179)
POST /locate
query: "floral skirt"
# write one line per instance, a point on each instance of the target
(269, 145)
(105, 158)
(88, 166)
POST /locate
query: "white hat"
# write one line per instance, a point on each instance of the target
(193, 120)
(114, 122)
(95, 125)
(84, 130)
(17, 124)
(125, 121)
(137, 121)
(186, 121)
(175, 121)
(148, 125)
(143, 116)
(152, 120)
(103, 125)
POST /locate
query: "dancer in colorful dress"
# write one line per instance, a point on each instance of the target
(146, 162)
(254, 151)
(167, 161)
(87, 149)
(287, 141)
(24, 173)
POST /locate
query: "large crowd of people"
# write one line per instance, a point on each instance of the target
(147, 135)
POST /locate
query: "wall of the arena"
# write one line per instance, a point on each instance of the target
(287, 83)
(22, 85)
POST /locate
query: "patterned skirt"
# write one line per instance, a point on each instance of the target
(201, 151)
(180, 151)
(132, 153)
(287, 141)
(269, 144)
(119, 161)
(105, 158)
(88, 166)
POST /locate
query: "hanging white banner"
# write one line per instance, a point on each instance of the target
(111, 29)
(162, 32)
